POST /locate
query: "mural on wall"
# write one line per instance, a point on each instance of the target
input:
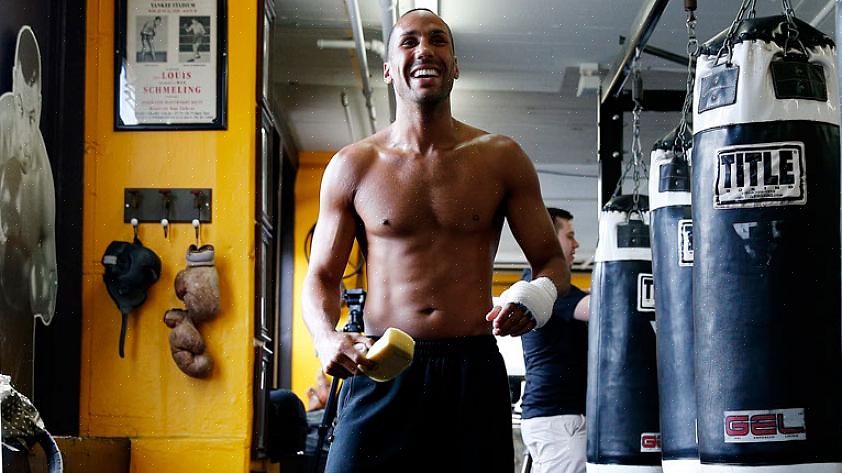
(28, 277)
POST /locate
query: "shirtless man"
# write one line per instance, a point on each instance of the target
(28, 262)
(427, 197)
(147, 38)
(196, 29)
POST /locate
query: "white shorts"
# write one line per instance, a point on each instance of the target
(557, 444)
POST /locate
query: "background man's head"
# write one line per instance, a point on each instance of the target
(563, 224)
(421, 64)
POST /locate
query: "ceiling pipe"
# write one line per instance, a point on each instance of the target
(823, 13)
(346, 106)
(388, 17)
(374, 46)
(359, 40)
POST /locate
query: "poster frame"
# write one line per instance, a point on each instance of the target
(220, 120)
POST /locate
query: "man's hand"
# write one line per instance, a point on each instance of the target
(510, 319)
(340, 353)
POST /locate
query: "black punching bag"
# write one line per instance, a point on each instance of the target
(671, 230)
(766, 279)
(622, 404)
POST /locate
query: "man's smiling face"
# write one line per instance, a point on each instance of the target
(421, 63)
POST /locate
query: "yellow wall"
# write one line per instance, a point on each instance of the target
(305, 364)
(176, 423)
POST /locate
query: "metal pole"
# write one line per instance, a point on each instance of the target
(822, 15)
(647, 20)
(838, 68)
(661, 53)
(343, 97)
(359, 38)
(388, 17)
(609, 148)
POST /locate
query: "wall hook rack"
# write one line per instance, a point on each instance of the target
(151, 205)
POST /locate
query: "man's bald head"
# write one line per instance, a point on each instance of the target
(416, 11)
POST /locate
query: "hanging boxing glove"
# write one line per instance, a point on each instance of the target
(198, 286)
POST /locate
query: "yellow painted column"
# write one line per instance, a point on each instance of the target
(175, 423)
(305, 364)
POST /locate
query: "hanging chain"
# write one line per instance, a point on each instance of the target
(788, 11)
(681, 142)
(792, 32)
(637, 166)
(637, 149)
(747, 10)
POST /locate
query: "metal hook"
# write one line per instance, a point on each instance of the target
(165, 204)
(196, 225)
(135, 224)
(199, 201)
(133, 204)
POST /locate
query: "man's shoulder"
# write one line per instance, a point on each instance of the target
(480, 137)
(354, 157)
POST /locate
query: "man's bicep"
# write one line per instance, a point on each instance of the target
(333, 237)
(528, 217)
(332, 242)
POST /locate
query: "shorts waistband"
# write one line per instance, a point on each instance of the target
(455, 346)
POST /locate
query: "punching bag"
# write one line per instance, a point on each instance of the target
(671, 230)
(766, 279)
(622, 402)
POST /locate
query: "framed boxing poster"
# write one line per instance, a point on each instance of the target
(171, 65)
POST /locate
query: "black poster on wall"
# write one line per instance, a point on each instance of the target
(42, 59)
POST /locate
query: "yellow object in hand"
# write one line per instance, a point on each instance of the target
(392, 354)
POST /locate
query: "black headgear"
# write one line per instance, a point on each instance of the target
(130, 269)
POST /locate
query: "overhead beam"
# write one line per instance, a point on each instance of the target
(653, 100)
(661, 53)
(609, 149)
(646, 22)
(610, 132)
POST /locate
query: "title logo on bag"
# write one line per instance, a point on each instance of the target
(685, 243)
(761, 175)
(645, 293)
(650, 442)
(776, 425)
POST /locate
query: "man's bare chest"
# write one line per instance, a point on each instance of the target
(407, 198)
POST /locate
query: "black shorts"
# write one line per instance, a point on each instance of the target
(449, 411)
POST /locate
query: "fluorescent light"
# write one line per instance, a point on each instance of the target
(428, 4)
(406, 5)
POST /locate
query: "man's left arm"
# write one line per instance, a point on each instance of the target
(531, 226)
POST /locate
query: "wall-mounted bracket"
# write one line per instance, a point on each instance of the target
(175, 205)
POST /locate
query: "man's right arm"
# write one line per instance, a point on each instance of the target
(583, 309)
(332, 242)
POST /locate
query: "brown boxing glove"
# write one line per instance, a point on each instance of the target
(186, 344)
(198, 284)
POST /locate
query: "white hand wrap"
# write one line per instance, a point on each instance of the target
(537, 296)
